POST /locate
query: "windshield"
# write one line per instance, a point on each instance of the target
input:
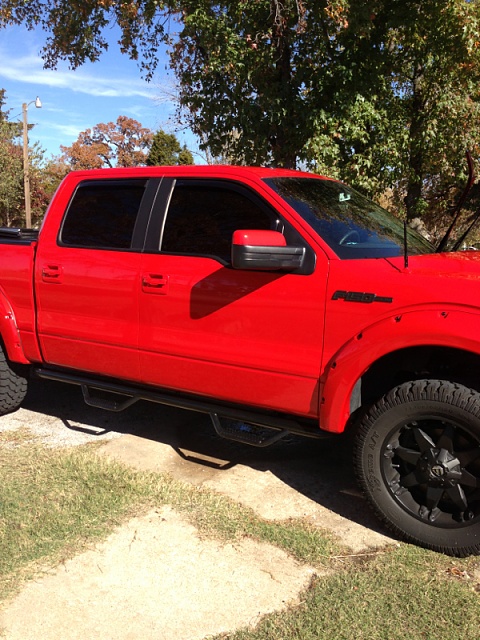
(351, 224)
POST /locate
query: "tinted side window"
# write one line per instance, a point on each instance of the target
(353, 226)
(201, 220)
(103, 214)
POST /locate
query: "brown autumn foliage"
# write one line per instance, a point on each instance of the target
(124, 143)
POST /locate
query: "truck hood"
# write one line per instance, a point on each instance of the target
(463, 265)
(440, 279)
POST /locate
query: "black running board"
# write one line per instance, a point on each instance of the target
(254, 434)
(232, 422)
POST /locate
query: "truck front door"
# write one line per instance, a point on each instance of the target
(242, 336)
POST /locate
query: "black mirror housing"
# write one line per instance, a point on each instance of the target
(265, 251)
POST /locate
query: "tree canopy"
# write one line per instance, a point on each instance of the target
(124, 143)
(11, 169)
(382, 93)
(167, 150)
(12, 195)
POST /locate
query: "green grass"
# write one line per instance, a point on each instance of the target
(54, 503)
(403, 594)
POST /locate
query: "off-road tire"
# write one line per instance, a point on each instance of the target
(417, 459)
(13, 384)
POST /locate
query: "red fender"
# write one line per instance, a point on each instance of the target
(446, 327)
(9, 332)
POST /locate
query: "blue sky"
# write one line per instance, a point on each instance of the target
(73, 101)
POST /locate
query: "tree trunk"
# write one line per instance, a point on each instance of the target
(284, 130)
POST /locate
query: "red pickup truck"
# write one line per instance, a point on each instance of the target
(276, 301)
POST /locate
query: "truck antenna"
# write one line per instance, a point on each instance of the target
(405, 244)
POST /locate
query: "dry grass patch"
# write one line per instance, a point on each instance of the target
(55, 502)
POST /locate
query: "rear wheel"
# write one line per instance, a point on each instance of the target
(13, 385)
(417, 458)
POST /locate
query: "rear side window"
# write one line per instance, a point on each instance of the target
(103, 214)
(201, 220)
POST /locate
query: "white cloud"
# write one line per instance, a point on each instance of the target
(67, 130)
(29, 69)
(73, 101)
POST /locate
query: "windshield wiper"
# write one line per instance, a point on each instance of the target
(458, 208)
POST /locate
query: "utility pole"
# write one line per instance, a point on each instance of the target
(26, 164)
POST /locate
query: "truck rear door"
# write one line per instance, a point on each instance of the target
(87, 279)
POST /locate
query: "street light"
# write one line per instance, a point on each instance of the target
(26, 167)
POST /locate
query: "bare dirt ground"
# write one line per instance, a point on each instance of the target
(155, 577)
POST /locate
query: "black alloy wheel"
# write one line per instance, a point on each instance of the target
(417, 458)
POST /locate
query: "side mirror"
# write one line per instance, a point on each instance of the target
(265, 251)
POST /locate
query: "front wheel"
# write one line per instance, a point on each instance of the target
(417, 459)
(13, 385)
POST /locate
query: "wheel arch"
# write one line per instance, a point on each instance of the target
(419, 344)
(9, 334)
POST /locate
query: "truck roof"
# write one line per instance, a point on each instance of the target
(217, 171)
